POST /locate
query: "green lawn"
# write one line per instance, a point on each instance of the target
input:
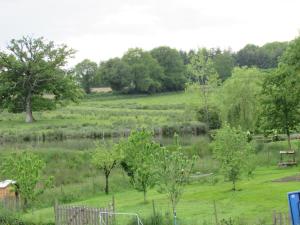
(255, 201)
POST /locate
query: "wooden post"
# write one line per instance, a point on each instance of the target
(113, 209)
(215, 213)
(153, 207)
(56, 212)
(274, 217)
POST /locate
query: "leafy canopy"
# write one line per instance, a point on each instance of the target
(233, 152)
(32, 69)
(173, 172)
(25, 168)
(140, 152)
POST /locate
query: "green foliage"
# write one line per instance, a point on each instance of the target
(146, 72)
(239, 97)
(116, 73)
(139, 152)
(8, 217)
(31, 68)
(173, 172)
(106, 158)
(204, 74)
(85, 73)
(224, 64)
(214, 116)
(154, 219)
(174, 70)
(25, 168)
(264, 57)
(281, 93)
(233, 152)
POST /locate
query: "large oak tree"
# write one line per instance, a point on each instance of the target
(32, 76)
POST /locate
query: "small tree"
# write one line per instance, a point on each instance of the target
(139, 159)
(30, 70)
(106, 158)
(203, 72)
(25, 168)
(173, 171)
(232, 150)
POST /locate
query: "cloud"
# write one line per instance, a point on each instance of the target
(100, 29)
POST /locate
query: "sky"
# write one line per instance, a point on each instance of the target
(102, 29)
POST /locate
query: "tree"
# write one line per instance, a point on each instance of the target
(263, 57)
(281, 93)
(116, 73)
(224, 64)
(85, 73)
(239, 97)
(232, 150)
(174, 70)
(139, 159)
(204, 73)
(173, 172)
(147, 74)
(25, 168)
(280, 101)
(106, 158)
(30, 69)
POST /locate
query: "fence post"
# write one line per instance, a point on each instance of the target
(56, 212)
(274, 217)
(215, 213)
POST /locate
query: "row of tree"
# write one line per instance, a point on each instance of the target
(166, 69)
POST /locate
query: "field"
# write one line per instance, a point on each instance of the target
(65, 138)
(102, 115)
(253, 203)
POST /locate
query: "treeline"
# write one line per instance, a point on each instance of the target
(165, 69)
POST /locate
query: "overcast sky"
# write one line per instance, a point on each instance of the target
(100, 29)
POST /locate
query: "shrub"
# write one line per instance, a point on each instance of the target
(214, 117)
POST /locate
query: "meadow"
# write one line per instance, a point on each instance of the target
(105, 115)
(65, 139)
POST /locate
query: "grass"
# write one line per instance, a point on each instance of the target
(255, 201)
(101, 114)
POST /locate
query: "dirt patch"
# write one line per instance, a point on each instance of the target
(289, 179)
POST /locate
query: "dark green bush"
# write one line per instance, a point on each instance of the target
(214, 117)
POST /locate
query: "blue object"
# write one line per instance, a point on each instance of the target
(294, 205)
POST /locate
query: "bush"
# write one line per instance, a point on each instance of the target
(154, 219)
(213, 114)
(7, 217)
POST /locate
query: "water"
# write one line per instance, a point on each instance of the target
(87, 144)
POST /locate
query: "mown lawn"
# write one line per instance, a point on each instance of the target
(256, 200)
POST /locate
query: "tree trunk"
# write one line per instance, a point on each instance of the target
(233, 188)
(106, 184)
(25, 205)
(29, 116)
(145, 195)
(289, 138)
